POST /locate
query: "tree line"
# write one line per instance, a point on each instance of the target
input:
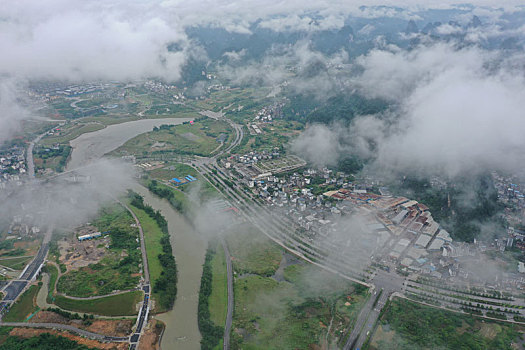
(166, 284)
(211, 333)
(166, 193)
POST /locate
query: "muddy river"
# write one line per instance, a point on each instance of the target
(189, 248)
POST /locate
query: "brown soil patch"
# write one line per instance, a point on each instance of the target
(116, 328)
(75, 254)
(150, 339)
(29, 332)
(48, 317)
(30, 247)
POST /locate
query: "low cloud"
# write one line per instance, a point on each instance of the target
(460, 110)
(11, 110)
(80, 41)
(68, 199)
(455, 111)
(319, 145)
(301, 68)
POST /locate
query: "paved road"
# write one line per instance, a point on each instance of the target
(360, 322)
(385, 283)
(142, 318)
(65, 327)
(144, 310)
(17, 286)
(13, 289)
(229, 314)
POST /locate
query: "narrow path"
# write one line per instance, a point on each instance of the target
(98, 296)
(142, 243)
(229, 314)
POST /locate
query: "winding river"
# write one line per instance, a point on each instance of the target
(189, 248)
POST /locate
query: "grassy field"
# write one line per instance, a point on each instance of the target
(199, 138)
(16, 263)
(152, 236)
(98, 279)
(219, 292)
(24, 307)
(291, 308)
(253, 252)
(116, 305)
(408, 325)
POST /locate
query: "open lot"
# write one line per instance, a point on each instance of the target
(283, 164)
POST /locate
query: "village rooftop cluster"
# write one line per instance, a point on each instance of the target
(394, 230)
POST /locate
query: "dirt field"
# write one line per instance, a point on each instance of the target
(75, 254)
(30, 247)
(150, 338)
(28, 333)
(117, 328)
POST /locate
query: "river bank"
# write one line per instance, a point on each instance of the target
(189, 248)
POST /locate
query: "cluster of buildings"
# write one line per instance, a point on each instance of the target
(269, 113)
(12, 165)
(394, 230)
(159, 86)
(265, 116)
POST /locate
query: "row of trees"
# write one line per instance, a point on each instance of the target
(45, 341)
(166, 284)
(211, 334)
(166, 193)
